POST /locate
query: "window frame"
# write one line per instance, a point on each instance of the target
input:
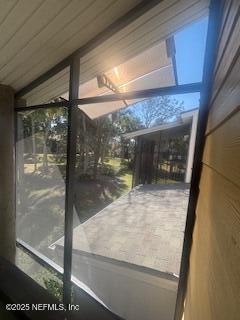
(73, 61)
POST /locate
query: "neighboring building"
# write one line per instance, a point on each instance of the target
(165, 152)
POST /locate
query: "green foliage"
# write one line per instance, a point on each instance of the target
(47, 129)
(127, 121)
(157, 110)
(55, 287)
(44, 277)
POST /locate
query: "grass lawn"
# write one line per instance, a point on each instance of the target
(94, 195)
(120, 167)
(41, 209)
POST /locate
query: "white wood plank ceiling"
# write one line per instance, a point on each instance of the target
(150, 69)
(37, 34)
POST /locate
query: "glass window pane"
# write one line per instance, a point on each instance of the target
(132, 179)
(148, 68)
(144, 60)
(41, 170)
(151, 68)
(190, 45)
(49, 280)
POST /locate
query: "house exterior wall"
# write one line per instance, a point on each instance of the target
(214, 277)
(154, 151)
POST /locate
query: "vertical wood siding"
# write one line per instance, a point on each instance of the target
(213, 290)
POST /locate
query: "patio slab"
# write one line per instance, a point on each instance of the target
(144, 227)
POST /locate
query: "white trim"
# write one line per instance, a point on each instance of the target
(161, 127)
(191, 147)
(186, 117)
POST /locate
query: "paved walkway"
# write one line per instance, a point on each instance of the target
(144, 227)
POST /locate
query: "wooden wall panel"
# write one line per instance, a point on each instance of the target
(227, 81)
(222, 149)
(213, 289)
(229, 22)
(227, 100)
(215, 257)
(226, 9)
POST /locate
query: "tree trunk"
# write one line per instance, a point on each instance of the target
(97, 150)
(85, 164)
(45, 155)
(85, 145)
(34, 145)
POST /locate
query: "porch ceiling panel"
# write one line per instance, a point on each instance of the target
(36, 35)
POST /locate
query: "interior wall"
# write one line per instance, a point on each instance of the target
(213, 290)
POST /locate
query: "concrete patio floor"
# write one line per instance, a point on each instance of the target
(144, 227)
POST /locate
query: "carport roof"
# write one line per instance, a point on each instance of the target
(185, 118)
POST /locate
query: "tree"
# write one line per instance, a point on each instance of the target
(157, 110)
(44, 124)
(101, 140)
(103, 136)
(127, 121)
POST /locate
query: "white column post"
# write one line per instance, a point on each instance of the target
(191, 147)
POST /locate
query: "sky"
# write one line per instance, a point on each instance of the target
(190, 48)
